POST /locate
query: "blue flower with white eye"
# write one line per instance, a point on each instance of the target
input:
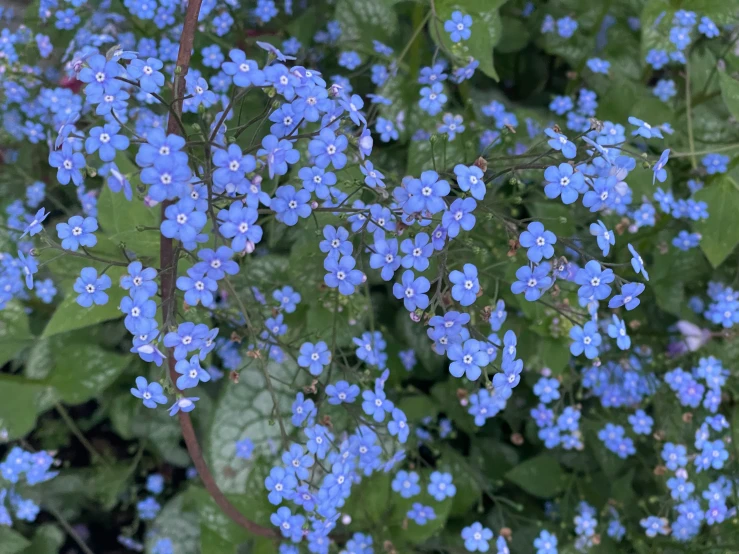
(628, 297)
(586, 340)
(459, 216)
(190, 373)
(617, 330)
(412, 291)
(440, 486)
(476, 538)
(281, 485)
(198, 287)
(105, 140)
(398, 427)
(432, 98)
(314, 357)
(373, 177)
(458, 26)
(566, 26)
(342, 275)
(151, 393)
(90, 288)
(660, 173)
(637, 263)
(452, 124)
(335, 242)
(467, 359)
(140, 311)
(139, 279)
(148, 74)
(386, 129)
(184, 405)
(604, 237)
(328, 149)
(302, 409)
(297, 461)
(465, 285)
(593, 281)
(315, 179)
(406, 483)
(244, 72)
(34, 226)
(708, 28)
(538, 242)
(470, 178)
(417, 252)
(560, 142)
(641, 423)
(547, 389)
(341, 392)
(715, 163)
(644, 129)
(319, 440)
(597, 65)
(564, 181)
(376, 404)
(532, 282)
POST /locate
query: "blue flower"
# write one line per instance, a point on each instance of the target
(315, 179)
(604, 237)
(432, 99)
(90, 288)
(138, 279)
(302, 409)
(376, 404)
(469, 178)
(373, 177)
(183, 221)
(440, 486)
(427, 194)
(476, 537)
(336, 242)
(593, 281)
(105, 140)
(560, 142)
(99, 74)
(538, 241)
(278, 153)
(467, 359)
(452, 124)
(532, 282)
(281, 485)
(547, 389)
(664, 89)
(77, 232)
(637, 263)
(417, 252)
(198, 287)
(319, 440)
(406, 484)
(68, 164)
(148, 74)
(151, 393)
(657, 58)
(341, 392)
(654, 525)
(385, 256)
(140, 312)
(465, 285)
(644, 129)
(244, 72)
(386, 129)
(564, 181)
(239, 224)
(185, 405)
(641, 422)
(314, 356)
(561, 105)
(341, 274)
(327, 149)
(617, 330)
(399, 426)
(291, 526)
(412, 291)
(708, 27)
(660, 173)
(190, 373)
(586, 339)
(628, 297)
(715, 163)
(458, 26)
(597, 65)
(566, 26)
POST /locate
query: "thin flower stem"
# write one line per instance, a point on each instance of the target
(94, 454)
(689, 114)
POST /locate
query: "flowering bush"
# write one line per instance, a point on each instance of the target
(369, 276)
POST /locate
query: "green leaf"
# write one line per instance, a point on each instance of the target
(70, 316)
(366, 20)
(719, 233)
(119, 218)
(213, 543)
(541, 476)
(14, 333)
(181, 526)
(18, 405)
(48, 539)
(486, 32)
(82, 371)
(730, 93)
(11, 541)
(245, 411)
(515, 35)
(107, 483)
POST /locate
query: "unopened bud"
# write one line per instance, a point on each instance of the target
(482, 163)
(249, 248)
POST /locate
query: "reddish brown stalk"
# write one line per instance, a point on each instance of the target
(168, 277)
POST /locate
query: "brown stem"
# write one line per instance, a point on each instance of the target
(168, 277)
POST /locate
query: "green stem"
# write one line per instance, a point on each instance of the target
(689, 113)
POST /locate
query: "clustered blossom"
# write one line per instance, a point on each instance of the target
(311, 188)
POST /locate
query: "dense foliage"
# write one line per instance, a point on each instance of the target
(364, 276)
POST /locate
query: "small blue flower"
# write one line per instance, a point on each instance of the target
(151, 393)
(412, 291)
(532, 282)
(465, 285)
(644, 129)
(399, 426)
(604, 237)
(190, 373)
(560, 142)
(715, 163)
(458, 26)
(470, 178)
(538, 241)
(90, 288)
(586, 340)
(467, 359)
(184, 405)
(34, 226)
(628, 297)
(660, 173)
(314, 356)
(77, 232)
(565, 181)
(637, 263)
(708, 27)
(452, 124)
(476, 537)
